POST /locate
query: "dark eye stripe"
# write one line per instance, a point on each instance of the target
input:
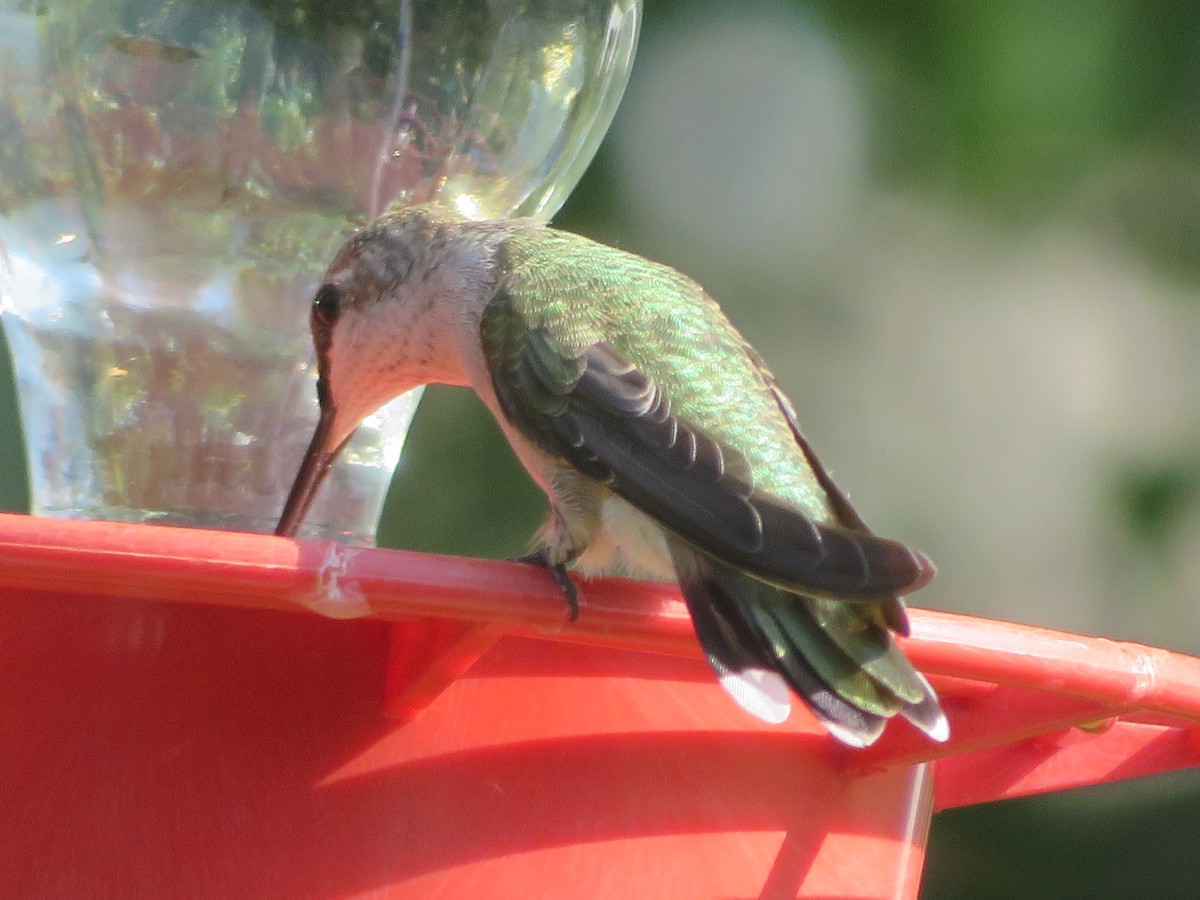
(326, 305)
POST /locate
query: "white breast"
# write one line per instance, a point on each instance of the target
(629, 543)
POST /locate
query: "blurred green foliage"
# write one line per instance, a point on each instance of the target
(1132, 840)
(14, 483)
(1151, 501)
(486, 507)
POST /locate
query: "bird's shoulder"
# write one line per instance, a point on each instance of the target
(564, 302)
(559, 280)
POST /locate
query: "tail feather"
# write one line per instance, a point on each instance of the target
(736, 653)
(793, 635)
(870, 646)
(927, 714)
(839, 658)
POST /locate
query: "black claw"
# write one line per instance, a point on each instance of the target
(559, 571)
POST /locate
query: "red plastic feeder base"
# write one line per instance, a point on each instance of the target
(179, 723)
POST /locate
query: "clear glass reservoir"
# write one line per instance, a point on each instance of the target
(176, 174)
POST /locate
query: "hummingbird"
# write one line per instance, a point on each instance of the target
(665, 446)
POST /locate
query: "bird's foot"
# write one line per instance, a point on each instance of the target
(541, 559)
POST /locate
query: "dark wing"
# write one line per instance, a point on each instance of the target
(605, 416)
(893, 611)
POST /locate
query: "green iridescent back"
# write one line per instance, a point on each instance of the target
(663, 322)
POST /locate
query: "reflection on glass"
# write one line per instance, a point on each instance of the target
(173, 178)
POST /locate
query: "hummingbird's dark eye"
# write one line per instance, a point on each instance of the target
(325, 305)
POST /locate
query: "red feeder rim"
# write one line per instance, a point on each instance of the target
(1001, 683)
(1030, 709)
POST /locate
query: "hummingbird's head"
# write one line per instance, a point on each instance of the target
(383, 322)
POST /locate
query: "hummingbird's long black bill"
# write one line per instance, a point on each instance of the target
(318, 459)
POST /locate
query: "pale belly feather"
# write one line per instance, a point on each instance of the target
(628, 543)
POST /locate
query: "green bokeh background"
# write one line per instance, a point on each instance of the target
(1001, 110)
